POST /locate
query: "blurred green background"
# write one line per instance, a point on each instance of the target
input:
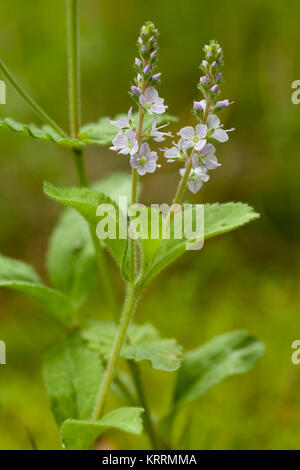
(248, 279)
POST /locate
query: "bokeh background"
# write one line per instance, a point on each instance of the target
(247, 279)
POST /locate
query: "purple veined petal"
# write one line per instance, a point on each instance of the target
(201, 130)
(152, 157)
(150, 167)
(120, 141)
(203, 104)
(187, 133)
(141, 170)
(124, 151)
(134, 161)
(220, 135)
(194, 186)
(158, 108)
(213, 122)
(208, 149)
(134, 148)
(130, 134)
(173, 152)
(199, 145)
(186, 144)
(144, 150)
(143, 100)
(120, 123)
(196, 162)
(151, 94)
(211, 162)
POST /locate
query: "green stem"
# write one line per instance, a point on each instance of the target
(78, 155)
(149, 428)
(109, 375)
(30, 101)
(74, 66)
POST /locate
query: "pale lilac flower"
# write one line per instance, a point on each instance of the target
(135, 90)
(123, 123)
(147, 69)
(152, 102)
(222, 104)
(214, 88)
(153, 54)
(175, 153)
(137, 62)
(219, 134)
(195, 138)
(155, 131)
(197, 177)
(206, 157)
(156, 76)
(125, 143)
(204, 79)
(219, 76)
(198, 106)
(145, 160)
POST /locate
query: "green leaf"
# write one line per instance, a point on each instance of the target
(86, 201)
(222, 218)
(19, 276)
(45, 133)
(102, 132)
(81, 435)
(218, 219)
(71, 258)
(145, 344)
(115, 185)
(73, 374)
(225, 355)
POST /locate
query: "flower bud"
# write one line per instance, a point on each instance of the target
(156, 76)
(198, 106)
(214, 88)
(135, 90)
(147, 69)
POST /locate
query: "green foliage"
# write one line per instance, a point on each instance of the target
(45, 133)
(81, 435)
(225, 355)
(222, 218)
(102, 132)
(144, 344)
(71, 258)
(72, 374)
(86, 202)
(218, 219)
(21, 277)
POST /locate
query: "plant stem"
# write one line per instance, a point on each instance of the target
(74, 66)
(30, 101)
(126, 316)
(183, 182)
(78, 155)
(149, 428)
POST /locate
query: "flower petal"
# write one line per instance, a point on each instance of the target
(201, 130)
(187, 133)
(220, 135)
(213, 121)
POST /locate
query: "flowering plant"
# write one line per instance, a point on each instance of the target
(82, 371)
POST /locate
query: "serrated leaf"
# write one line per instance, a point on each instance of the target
(81, 435)
(144, 344)
(71, 258)
(86, 201)
(45, 133)
(19, 276)
(218, 219)
(222, 218)
(232, 353)
(102, 132)
(73, 374)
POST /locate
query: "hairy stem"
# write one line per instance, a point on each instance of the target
(30, 101)
(149, 428)
(78, 155)
(129, 306)
(74, 68)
